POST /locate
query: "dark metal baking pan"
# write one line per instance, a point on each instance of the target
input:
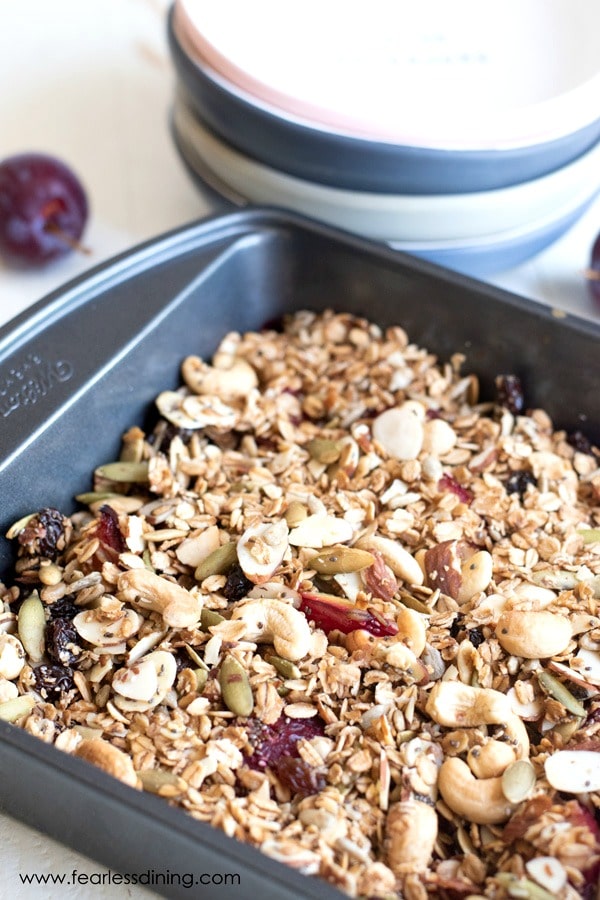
(86, 362)
(359, 164)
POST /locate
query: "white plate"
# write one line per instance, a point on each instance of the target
(395, 217)
(467, 74)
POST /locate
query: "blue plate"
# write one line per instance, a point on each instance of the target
(336, 160)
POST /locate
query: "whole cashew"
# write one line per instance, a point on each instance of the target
(178, 607)
(490, 759)
(411, 828)
(454, 704)
(229, 378)
(478, 800)
(276, 622)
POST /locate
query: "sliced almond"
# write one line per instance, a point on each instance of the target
(261, 549)
(574, 771)
(321, 530)
(31, 625)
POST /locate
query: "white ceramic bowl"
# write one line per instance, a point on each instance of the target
(462, 75)
(394, 217)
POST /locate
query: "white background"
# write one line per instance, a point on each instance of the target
(91, 81)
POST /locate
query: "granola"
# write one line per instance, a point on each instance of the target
(341, 609)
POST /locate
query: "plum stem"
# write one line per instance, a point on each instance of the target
(57, 231)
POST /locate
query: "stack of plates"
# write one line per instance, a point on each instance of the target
(446, 130)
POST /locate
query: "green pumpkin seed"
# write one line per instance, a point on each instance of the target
(155, 781)
(195, 658)
(31, 626)
(210, 617)
(412, 603)
(590, 535)
(324, 451)
(340, 560)
(568, 729)
(218, 562)
(123, 471)
(295, 513)
(201, 679)
(284, 667)
(235, 687)
(11, 710)
(18, 526)
(90, 497)
(522, 888)
(556, 689)
(518, 780)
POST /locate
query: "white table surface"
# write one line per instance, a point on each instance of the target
(92, 83)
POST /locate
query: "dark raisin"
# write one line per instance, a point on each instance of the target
(46, 534)
(299, 776)
(457, 626)
(182, 659)
(509, 393)
(164, 433)
(108, 530)
(237, 585)
(52, 681)
(581, 442)
(518, 482)
(476, 637)
(62, 642)
(63, 609)
(271, 742)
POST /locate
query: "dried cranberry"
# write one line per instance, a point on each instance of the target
(509, 393)
(52, 681)
(272, 742)
(63, 609)
(45, 534)
(332, 616)
(449, 483)
(518, 482)
(108, 530)
(62, 642)
(299, 776)
(237, 585)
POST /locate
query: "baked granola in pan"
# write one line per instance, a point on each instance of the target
(340, 608)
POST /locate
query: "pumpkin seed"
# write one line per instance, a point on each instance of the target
(124, 471)
(90, 497)
(341, 560)
(522, 887)
(201, 679)
(18, 526)
(556, 689)
(590, 535)
(324, 451)
(285, 667)
(195, 658)
(295, 513)
(568, 729)
(11, 710)
(235, 687)
(218, 562)
(518, 780)
(155, 781)
(412, 603)
(209, 617)
(31, 626)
